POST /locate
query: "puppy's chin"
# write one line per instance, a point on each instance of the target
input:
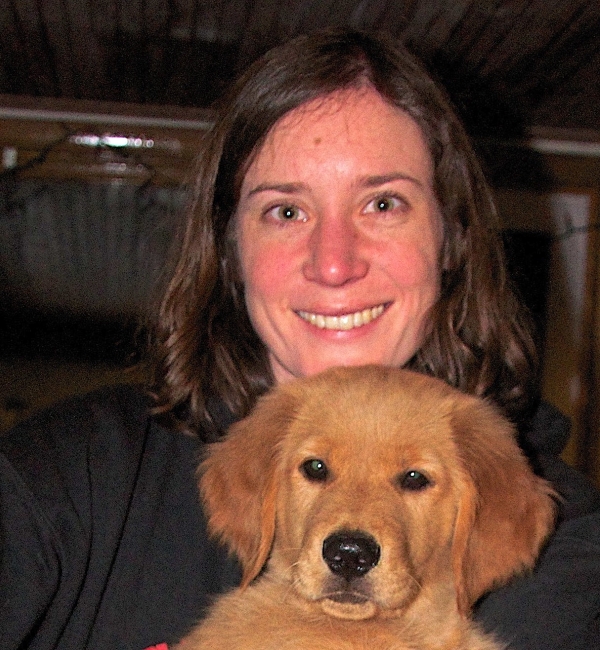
(350, 611)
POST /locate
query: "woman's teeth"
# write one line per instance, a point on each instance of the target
(345, 321)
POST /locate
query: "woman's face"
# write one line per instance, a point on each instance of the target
(339, 236)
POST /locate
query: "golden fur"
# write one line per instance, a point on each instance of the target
(480, 517)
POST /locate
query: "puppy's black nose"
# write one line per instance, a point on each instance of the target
(351, 555)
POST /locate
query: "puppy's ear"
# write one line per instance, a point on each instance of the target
(238, 482)
(505, 511)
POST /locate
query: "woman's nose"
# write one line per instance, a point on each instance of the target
(335, 253)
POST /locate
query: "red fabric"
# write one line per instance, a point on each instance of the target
(160, 646)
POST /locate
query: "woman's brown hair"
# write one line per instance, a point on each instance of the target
(205, 351)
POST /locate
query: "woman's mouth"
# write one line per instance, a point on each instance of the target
(343, 321)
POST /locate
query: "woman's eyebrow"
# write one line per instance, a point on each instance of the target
(366, 181)
(382, 179)
(284, 188)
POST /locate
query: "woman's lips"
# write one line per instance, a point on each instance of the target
(343, 321)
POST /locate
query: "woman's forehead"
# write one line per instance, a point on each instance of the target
(342, 123)
(344, 102)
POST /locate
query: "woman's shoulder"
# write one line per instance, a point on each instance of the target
(544, 443)
(61, 459)
(557, 606)
(96, 499)
(73, 415)
(64, 433)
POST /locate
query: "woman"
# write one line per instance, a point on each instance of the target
(339, 216)
(476, 338)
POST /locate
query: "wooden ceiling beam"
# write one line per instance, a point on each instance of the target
(64, 139)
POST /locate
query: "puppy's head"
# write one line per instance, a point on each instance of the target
(367, 487)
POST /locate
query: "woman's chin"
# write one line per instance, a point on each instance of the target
(284, 372)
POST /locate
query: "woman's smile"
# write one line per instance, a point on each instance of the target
(342, 322)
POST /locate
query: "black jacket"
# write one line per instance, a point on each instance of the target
(103, 543)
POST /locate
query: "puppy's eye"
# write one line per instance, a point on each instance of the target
(413, 480)
(314, 469)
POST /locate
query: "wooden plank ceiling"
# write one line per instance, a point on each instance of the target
(512, 66)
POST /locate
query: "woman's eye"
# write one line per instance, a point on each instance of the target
(287, 213)
(385, 204)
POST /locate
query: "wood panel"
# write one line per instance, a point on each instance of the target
(138, 144)
(537, 58)
(570, 376)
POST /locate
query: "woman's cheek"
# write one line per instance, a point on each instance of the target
(266, 271)
(412, 266)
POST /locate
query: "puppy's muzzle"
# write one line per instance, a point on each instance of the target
(351, 555)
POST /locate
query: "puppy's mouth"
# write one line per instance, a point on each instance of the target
(351, 597)
(348, 605)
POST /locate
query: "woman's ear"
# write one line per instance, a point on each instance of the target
(506, 512)
(239, 482)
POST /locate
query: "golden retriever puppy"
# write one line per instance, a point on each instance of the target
(370, 508)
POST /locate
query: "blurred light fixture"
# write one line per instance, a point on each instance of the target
(119, 141)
